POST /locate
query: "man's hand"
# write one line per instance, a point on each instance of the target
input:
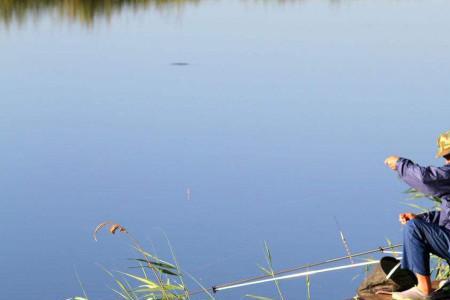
(391, 162)
(405, 217)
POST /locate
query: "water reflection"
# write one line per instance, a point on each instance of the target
(84, 11)
(88, 11)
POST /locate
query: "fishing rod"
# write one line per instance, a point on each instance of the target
(302, 274)
(276, 275)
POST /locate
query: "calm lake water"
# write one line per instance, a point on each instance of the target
(275, 115)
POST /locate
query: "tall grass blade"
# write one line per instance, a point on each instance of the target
(177, 265)
(308, 287)
(205, 290)
(81, 286)
(268, 255)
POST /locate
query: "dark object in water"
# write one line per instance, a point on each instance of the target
(387, 277)
(180, 64)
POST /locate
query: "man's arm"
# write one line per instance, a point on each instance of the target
(416, 176)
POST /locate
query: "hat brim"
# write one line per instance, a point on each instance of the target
(442, 153)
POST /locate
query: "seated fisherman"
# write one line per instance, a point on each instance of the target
(428, 232)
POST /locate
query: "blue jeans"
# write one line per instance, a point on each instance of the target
(421, 238)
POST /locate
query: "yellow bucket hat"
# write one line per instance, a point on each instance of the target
(443, 144)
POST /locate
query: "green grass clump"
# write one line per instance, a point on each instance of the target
(157, 279)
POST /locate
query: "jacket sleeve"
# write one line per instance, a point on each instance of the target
(430, 217)
(416, 176)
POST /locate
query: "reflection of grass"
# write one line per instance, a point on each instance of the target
(88, 11)
(84, 11)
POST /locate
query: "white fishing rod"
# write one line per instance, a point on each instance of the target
(277, 275)
(295, 275)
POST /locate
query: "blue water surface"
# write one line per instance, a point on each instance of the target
(275, 115)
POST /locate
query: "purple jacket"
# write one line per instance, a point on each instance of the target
(432, 181)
